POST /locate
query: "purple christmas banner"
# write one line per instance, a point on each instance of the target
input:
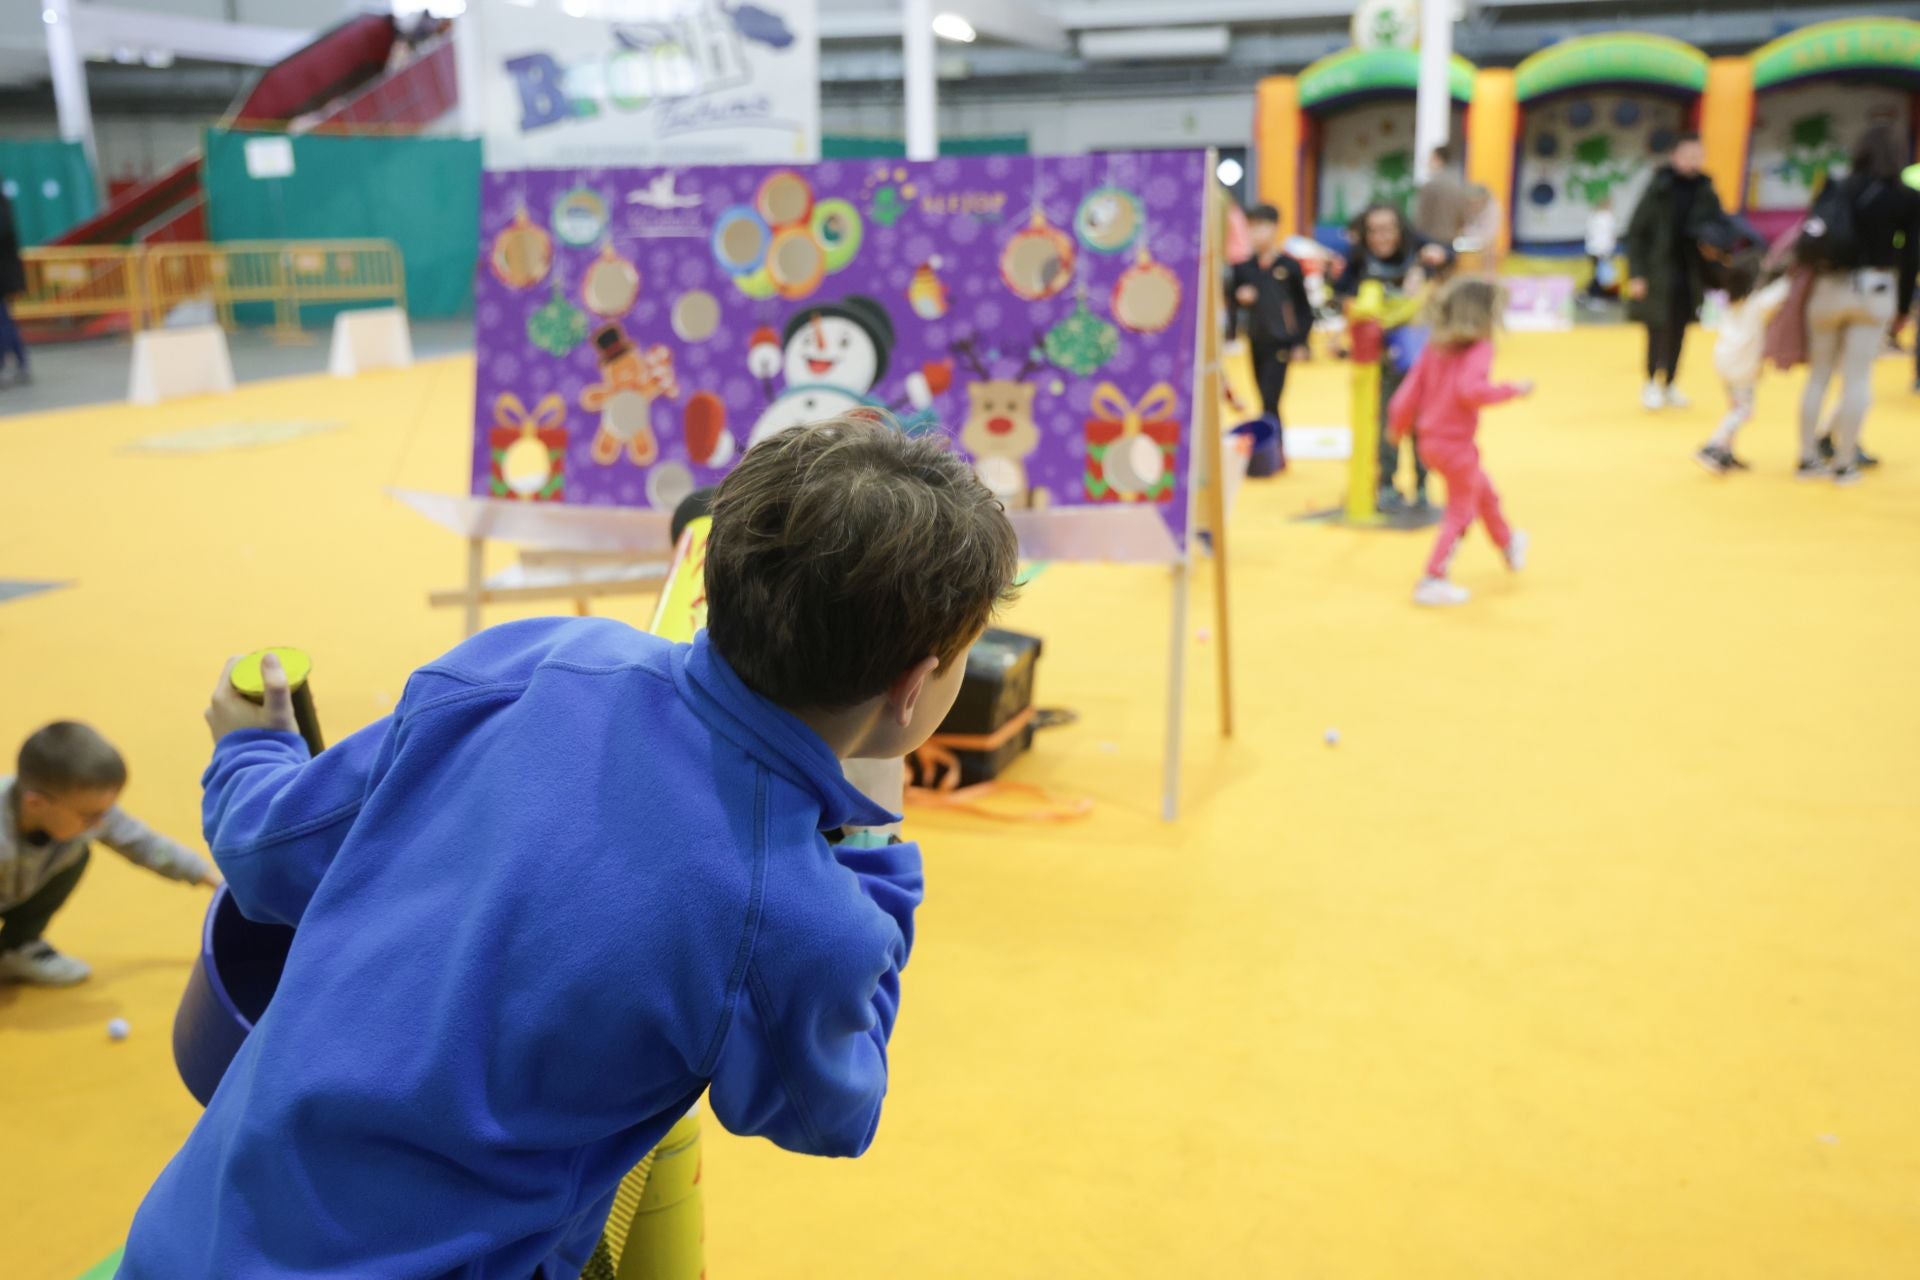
(638, 329)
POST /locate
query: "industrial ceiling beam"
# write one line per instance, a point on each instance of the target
(101, 28)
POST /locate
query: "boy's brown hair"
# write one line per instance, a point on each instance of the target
(1467, 311)
(69, 756)
(845, 552)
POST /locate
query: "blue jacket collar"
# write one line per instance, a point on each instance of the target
(775, 737)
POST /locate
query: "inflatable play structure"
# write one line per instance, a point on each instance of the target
(1356, 134)
(1584, 120)
(1594, 116)
(1813, 92)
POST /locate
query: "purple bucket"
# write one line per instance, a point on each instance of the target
(232, 981)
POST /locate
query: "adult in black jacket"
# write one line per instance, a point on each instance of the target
(1852, 303)
(1270, 288)
(13, 282)
(1666, 275)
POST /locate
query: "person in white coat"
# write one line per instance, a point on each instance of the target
(1737, 355)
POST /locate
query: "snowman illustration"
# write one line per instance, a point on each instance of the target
(830, 358)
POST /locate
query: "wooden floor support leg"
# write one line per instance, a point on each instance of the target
(476, 574)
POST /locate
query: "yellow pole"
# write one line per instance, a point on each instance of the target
(665, 1229)
(1366, 338)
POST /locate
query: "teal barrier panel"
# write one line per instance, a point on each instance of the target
(421, 193)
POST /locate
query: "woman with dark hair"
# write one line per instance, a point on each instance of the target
(13, 282)
(1385, 249)
(1859, 256)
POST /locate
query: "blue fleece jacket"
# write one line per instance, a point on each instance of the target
(576, 878)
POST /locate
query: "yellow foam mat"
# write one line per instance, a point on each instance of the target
(1588, 952)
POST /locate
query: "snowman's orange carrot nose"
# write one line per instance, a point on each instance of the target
(819, 335)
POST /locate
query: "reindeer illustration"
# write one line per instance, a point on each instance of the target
(1000, 433)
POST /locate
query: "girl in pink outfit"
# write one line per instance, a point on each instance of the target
(1440, 404)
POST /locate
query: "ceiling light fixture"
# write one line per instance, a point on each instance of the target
(951, 26)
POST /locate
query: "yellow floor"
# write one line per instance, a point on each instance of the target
(1589, 952)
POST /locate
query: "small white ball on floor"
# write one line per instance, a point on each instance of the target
(1333, 737)
(117, 1029)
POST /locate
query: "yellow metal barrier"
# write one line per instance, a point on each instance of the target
(69, 283)
(284, 274)
(146, 282)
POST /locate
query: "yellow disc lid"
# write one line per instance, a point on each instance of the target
(246, 672)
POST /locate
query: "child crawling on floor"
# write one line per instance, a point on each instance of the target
(64, 797)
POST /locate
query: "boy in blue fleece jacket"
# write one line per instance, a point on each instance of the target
(579, 877)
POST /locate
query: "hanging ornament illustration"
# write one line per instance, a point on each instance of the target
(522, 254)
(1038, 261)
(1082, 342)
(1109, 220)
(559, 326)
(926, 292)
(580, 217)
(1146, 297)
(610, 285)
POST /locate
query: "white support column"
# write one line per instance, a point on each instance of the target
(1433, 110)
(69, 80)
(922, 86)
(470, 69)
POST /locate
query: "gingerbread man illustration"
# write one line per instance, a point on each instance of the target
(630, 380)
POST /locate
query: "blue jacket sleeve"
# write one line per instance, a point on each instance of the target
(274, 816)
(805, 1062)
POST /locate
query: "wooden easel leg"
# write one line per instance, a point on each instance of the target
(1222, 629)
(1176, 698)
(476, 574)
(1208, 426)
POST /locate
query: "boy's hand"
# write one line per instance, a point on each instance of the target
(227, 711)
(211, 880)
(1246, 295)
(1636, 289)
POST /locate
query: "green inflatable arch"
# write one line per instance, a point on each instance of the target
(1882, 48)
(1590, 61)
(1357, 73)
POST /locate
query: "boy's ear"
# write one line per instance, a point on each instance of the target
(904, 696)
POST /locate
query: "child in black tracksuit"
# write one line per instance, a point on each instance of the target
(1387, 250)
(1271, 288)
